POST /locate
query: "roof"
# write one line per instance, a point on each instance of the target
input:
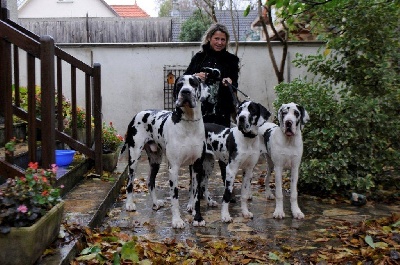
(129, 11)
(242, 23)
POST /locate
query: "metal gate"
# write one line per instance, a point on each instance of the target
(171, 72)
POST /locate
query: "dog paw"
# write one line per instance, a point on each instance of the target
(269, 195)
(298, 215)
(189, 207)
(212, 203)
(226, 219)
(247, 214)
(130, 205)
(178, 223)
(279, 214)
(158, 204)
(199, 223)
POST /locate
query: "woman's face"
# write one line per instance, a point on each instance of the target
(218, 41)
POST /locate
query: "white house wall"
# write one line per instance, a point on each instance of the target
(133, 74)
(64, 8)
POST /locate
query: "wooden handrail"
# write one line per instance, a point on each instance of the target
(14, 38)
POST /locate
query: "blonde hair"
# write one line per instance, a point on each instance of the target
(211, 31)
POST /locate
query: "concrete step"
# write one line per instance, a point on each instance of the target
(86, 205)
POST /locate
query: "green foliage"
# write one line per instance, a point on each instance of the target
(346, 143)
(165, 8)
(111, 138)
(351, 140)
(362, 51)
(194, 27)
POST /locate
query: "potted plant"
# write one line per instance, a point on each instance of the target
(10, 149)
(30, 215)
(80, 121)
(112, 144)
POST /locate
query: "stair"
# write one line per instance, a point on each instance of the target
(86, 205)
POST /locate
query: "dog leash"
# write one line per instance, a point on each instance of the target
(235, 99)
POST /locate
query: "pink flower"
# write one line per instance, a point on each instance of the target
(54, 168)
(22, 209)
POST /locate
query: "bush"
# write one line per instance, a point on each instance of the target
(348, 143)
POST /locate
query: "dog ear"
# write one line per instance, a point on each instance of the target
(304, 118)
(264, 113)
(175, 90)
(204, 89)
(279, 116)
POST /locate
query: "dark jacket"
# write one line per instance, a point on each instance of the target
(228, 64)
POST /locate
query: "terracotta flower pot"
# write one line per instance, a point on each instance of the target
(24, 245)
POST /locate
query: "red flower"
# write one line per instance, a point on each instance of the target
(45, 193)
(33, 165)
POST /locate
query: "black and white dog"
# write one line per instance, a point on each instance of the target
(178, 134)
(237, 147)
(283, 149)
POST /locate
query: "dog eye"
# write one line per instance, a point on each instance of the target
(193, 82)
(296, 113)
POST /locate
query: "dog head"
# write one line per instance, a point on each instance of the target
(292, 116)
(189, 90)
(250, 116)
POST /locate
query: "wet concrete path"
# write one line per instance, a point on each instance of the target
(156, 225)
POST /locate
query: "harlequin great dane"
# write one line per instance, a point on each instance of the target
(283, 149)
(236, 147)
(178, 134)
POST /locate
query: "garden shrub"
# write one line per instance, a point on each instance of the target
(349, 142)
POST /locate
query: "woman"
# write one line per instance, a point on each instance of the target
(214, 56)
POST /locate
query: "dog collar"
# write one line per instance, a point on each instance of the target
(262, 123)
(191, 120)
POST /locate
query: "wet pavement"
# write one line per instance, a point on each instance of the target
(156, 225)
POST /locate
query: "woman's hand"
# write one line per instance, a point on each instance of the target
(202, 76)
(226, 80)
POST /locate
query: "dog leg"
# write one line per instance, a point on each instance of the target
(246, 192)
(208, 170)
(155, 158)
(199, 172)
(134, 155)
(190, 206)
(177, 221)
(231, 171)
(222, 166)
(268, 191)
(296, 212)
(279, 214)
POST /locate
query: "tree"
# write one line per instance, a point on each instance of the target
(194, 27)
(165, 8)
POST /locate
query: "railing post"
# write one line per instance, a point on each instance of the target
(6, 88)
(97, 116)
(4, 12)
(48, 99)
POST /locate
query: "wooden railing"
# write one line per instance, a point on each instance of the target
(15, 39)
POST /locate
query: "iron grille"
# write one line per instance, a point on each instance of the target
(171, 72)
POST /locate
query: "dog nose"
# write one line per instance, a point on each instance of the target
(288, 123)
(185, 92)
(241, 119)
